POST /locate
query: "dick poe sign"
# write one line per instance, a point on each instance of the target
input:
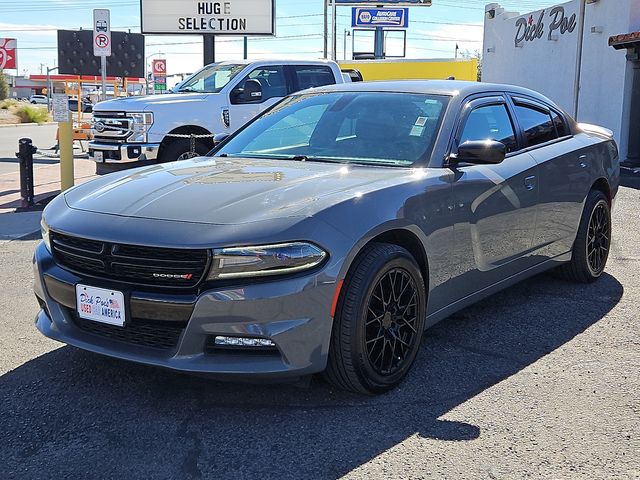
(229, 17)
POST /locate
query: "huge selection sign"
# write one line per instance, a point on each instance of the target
(380, 17)
(230, 17)
(8, 48)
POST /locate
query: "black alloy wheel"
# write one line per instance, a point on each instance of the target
(379, 321)
(593, 241)
(391, 321)
(598, 238)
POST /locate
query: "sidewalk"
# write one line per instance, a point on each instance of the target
(47, 183)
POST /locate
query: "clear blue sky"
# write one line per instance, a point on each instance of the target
(433, 33)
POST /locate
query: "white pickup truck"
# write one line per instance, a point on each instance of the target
(217, 99)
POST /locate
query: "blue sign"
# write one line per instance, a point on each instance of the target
(380, 17)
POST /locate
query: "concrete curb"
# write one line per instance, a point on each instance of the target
(16, 125)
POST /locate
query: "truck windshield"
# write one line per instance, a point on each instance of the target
(211, 79)
(380, 128)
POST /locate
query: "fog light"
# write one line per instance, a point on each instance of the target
(243, 342)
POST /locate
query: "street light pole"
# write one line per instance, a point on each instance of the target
(347, 33)
(49, 86)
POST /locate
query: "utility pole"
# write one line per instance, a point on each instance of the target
(326, 28)
(334, 30)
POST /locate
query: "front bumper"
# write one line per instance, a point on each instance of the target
(123, 152)
(294, 313)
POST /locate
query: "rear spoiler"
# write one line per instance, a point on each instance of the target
(595, 129)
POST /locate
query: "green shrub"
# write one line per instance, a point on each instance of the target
(8, 103)
(32, 114)
(4, 86)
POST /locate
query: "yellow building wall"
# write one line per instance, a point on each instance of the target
(415, 69)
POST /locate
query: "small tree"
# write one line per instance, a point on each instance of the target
(4, 86)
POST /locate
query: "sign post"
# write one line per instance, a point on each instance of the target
(62, 115)
(159, 68)
(102, 42)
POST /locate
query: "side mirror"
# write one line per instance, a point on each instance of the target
(252, 90)
(481, 152)
(219, 138)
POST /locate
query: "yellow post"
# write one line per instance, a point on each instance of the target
(65, 140)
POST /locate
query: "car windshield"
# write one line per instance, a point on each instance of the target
(211, 79)
(346, 127)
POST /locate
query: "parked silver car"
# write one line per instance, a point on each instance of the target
(329, 232)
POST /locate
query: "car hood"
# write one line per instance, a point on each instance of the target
(230, 191)
(142, 103)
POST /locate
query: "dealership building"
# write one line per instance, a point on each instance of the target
(582, 54)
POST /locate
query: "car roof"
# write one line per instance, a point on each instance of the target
(452, 88)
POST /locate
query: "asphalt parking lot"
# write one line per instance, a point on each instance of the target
(539, 381)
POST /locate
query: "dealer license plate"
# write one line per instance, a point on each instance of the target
(100, 305)
(98, 156)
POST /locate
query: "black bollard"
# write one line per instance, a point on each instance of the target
(25, 155)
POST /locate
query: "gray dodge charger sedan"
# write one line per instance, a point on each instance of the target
(328, 233)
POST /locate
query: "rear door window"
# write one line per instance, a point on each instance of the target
(537, 125)
(310, 76)
(561, 124)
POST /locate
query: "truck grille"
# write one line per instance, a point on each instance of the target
(164, 267)
(138, 332)
(111, 126)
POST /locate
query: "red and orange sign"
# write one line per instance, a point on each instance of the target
(8, 49)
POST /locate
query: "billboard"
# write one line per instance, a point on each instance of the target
(232, 17)
(364, 17)
(75, 54)
(382, 3)
(8, 55)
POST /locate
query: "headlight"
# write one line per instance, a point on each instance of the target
(265, 260)
(44, 230)
(141, 124)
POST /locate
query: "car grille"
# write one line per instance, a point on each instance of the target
(116, 126)
(138, 332)
(164, 267)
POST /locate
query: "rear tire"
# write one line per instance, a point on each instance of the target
(379, 321)
(593, 242)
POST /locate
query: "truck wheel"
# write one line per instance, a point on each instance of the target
(181, 150)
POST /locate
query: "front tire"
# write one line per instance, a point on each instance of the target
(379, 321)
(593, 242)
(181, 150)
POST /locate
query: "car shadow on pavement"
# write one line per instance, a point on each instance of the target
(73, 414)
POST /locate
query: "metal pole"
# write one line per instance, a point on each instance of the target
(326, 29)
(345, 43)
(334, 29)
(65, 140)
(25, 155)
(379, 44)
(578, 73)
(246, 47)
(209, 49)
(103, 63)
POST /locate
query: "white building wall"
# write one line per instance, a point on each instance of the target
(605, 83)
(547, 66)
(550, 66)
